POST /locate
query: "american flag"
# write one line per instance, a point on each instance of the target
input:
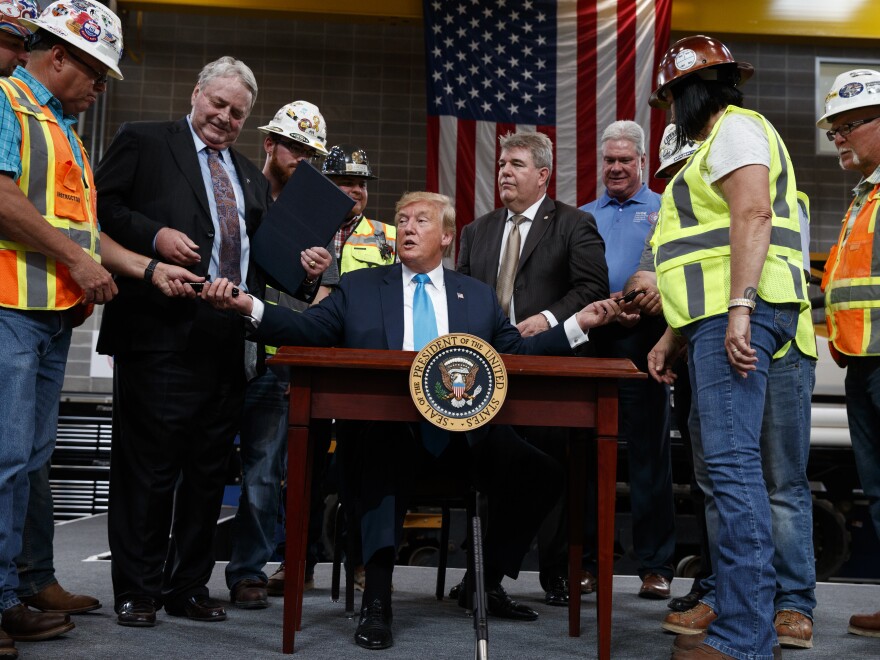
(567, 68)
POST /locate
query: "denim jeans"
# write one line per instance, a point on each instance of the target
(35, 562)
(731, 411)
(785, 450)
(863, 412)
(263, 461)
(35, 346)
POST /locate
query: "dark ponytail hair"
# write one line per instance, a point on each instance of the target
(696, 100)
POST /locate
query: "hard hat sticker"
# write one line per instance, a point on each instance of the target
(685, 59)
(851, 89)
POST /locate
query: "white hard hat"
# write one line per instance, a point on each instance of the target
(669, 155)
(854, 89)
(86, 24)
(300, 121)
(12, 11)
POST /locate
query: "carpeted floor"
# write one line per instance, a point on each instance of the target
(423, 627)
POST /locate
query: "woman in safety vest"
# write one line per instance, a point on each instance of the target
(729, 270)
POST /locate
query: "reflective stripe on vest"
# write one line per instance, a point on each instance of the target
(363, 249)
(54, 183)
(852, 283)
(692, 241)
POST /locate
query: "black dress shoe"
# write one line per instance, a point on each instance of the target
(374, 628)
(557, 594)
(501, 605)
(137, 613)
(686, 602)
(197, 608)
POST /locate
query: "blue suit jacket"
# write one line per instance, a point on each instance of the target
(367, 312)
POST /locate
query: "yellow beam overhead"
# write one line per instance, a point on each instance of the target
(837, 19)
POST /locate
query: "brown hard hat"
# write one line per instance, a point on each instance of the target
(690, 55)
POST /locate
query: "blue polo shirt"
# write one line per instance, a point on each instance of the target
(623, 227)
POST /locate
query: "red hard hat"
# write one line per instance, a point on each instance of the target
(690, 55)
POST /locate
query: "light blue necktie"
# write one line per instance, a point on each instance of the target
(424, 320)
(434, 439)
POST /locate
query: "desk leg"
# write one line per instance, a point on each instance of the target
(607, 468)
(304, 530)
(577, 466)
(296, 520)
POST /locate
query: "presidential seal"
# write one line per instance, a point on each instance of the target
(458, 382)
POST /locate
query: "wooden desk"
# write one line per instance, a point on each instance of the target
(576, 393)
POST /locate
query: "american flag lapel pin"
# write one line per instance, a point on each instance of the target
(460, 295)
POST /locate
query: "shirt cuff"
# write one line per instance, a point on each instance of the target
(550, 318)
(573, 331)
(256, 316)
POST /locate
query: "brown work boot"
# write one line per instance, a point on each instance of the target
(700, 652)
(690, 642)
(793, 629)
(275, 586)
(588, 582)
(56, 599)
(24, 625)
(7, 646)
(867, 625)
(692, 622)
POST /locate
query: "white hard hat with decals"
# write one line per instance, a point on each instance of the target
(300, 121)
(86, 24)
(854, 89)
(11, 13)
(669, 155)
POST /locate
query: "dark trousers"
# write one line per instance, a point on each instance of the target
(521, 482)
(175, 417)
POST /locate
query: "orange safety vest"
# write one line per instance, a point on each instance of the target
(851, 283)
(62, 192)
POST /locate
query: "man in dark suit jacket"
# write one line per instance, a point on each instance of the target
(373, 308)
(179, 364)
(560, 268)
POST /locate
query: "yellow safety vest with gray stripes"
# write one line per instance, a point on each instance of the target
(692, 241)
(62, 192)
(371, 244)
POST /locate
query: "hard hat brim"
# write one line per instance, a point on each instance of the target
(659, 96)
(34, 24)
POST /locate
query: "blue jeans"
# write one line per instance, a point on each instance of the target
(263, 461)
(863, 412)
(35, 346)
(731, 410)
(35, 562)
(785, 450)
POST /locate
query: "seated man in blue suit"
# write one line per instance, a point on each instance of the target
(374, 308)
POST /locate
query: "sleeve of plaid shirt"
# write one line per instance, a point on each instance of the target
(10, 139)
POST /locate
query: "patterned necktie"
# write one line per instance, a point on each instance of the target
(227, 216)
(509, 264)
(424, 320)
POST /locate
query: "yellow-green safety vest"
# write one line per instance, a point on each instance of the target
(692, 240)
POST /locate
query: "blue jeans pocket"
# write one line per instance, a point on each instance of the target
(785, 318)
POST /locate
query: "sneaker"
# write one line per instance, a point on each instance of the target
(692, 622)
(793, 629)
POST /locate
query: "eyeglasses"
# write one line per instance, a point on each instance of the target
(845, 129)
(296, 149)
(100, 78)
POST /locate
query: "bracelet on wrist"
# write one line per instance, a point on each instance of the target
(741, 302)
(151, 268)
